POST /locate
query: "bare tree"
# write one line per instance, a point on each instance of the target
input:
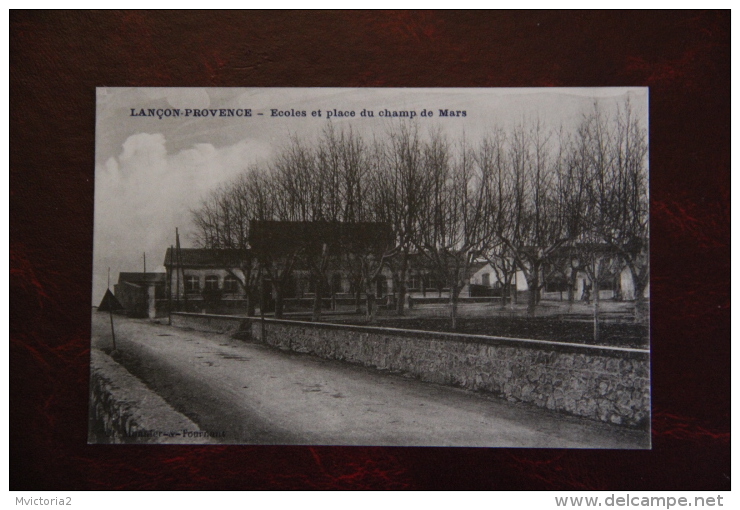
(451, 226)
(298, 197)
(629, 230)
(537, 227)
(528, 200)
(403, 183)
(496, 185)
(369, 254)
(222, 223)
(325, 185)
(339, 184)
(610, 155)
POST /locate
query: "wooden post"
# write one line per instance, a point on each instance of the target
(112, 331)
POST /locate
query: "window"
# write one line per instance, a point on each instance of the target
(413, 283)
(381, 284)
(231, 284)
(608, 283)
(192, 284)
(211, 283)
(557, 284)
(436, 284)
(485, 279)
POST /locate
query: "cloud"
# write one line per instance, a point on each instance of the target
(144, 193)
(151, 172)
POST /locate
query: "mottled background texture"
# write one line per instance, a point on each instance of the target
(58, 58)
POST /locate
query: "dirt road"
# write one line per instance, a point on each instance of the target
(249, 393)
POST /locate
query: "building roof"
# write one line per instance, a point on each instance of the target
(278, 238)
(141, 277)
(477, 266)
(204, 257)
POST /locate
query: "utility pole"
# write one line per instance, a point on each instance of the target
(262, 303)
(145, 262)
(262, 292)
(169, 293)
(110, 313)
(177, 271)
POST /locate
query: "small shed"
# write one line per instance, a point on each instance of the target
(138, 292)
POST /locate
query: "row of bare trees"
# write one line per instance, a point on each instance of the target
(545, 203)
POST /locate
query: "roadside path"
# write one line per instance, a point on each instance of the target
(254, 394)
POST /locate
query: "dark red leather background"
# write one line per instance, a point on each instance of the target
(58, 58)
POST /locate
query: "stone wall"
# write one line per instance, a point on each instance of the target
(601, 383)
(124, 410)
(227, 324)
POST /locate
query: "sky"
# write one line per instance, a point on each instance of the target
(150, 172)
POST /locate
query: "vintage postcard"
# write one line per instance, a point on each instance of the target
(371, 266)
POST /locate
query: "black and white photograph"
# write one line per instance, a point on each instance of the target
(463, 267)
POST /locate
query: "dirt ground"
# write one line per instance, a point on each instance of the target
(554, 321)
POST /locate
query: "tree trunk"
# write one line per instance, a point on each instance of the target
(533, 283)
(249, 304)
(639, 283)
(640, 306)
(596, 307)
(504, 291)
(572, 285)
(358, 297)
(316, 315)
(278, 302)
(453, 307)
(531, 302)
(370, 298)
(401, 301)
